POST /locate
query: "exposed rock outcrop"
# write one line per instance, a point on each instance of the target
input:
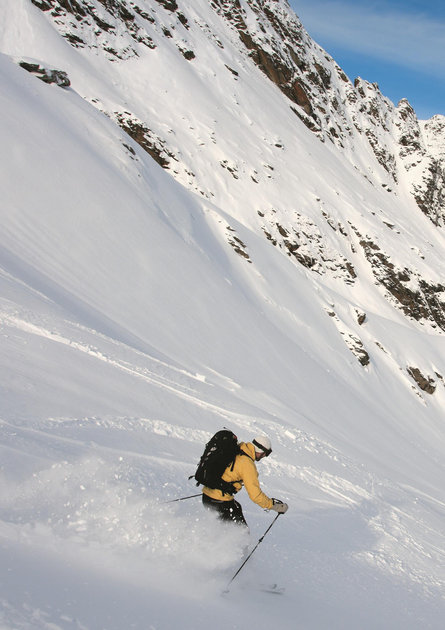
(334, 108)
(145, 137)
(384, 143)
(47, 75)
(426, 384)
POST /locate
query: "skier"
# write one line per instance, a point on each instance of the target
(243, 472)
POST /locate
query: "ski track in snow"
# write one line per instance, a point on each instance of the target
(67, 435)
(106, 492)
(144, 373)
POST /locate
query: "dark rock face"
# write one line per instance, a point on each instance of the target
(282, 65)
(145, 137)
(430, 193)
(426, 384)
(304, 242)
(76, 19)
(423, 303)
(58, 77)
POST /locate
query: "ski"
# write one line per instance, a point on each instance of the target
(274, 589)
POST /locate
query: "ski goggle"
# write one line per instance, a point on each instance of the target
(266, 451)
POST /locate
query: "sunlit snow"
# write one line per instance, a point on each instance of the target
(131, 330)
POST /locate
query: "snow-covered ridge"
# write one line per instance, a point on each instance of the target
(353, 117)
(134, 42)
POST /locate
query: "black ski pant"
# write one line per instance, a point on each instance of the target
(227, 510)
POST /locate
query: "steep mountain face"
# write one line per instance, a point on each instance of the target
(273, 37)
(334, 109)
(223, 83)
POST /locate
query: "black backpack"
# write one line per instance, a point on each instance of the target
(219, 453)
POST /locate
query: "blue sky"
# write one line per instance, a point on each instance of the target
(399, 44)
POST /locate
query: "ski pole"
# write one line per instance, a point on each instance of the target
(250, 554)
(182, 498)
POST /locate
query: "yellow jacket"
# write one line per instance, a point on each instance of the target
(244, 473)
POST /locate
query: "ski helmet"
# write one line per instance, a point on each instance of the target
(262, 445)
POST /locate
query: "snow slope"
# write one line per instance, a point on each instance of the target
(131, 330)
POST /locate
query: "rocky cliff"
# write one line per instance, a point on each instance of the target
(317, 89)
(250, 58)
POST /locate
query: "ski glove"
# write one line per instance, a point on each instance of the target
(279, 506)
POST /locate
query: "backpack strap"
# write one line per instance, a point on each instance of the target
(241, 452)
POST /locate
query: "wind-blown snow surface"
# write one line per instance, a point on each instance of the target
(130, 332)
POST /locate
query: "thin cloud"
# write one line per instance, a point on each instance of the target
(413, 40)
